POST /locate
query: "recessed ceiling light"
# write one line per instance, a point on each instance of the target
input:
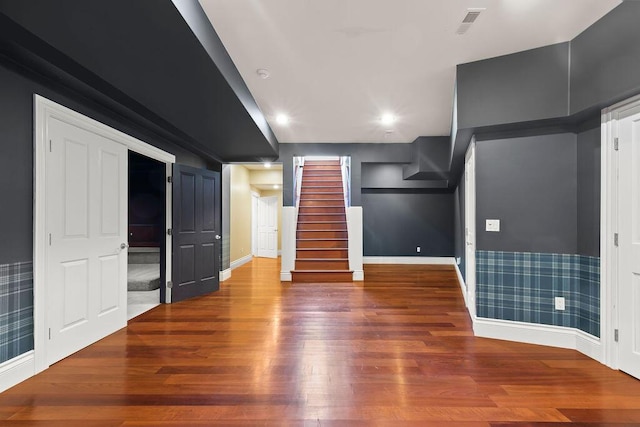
(387, 119)
(263, 73)
(267, 165)
(282, 119)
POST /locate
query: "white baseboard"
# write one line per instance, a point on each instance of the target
(225, 274)
(16, 370)
(589, 346)
(409, 260)
(532, 333)
(358, 276)
(463, 286)
(286, 276)
(241, 261)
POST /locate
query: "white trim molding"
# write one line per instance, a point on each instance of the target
(225, 274)
(534, 333)
(463, 286)
(354, 233)
(16, 370)
(240, 261)
(409, 260)
(288, 239)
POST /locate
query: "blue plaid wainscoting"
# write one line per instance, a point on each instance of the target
(16, 309)
(521, 286)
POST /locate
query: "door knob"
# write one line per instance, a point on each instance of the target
(124, 245)
(218, 237)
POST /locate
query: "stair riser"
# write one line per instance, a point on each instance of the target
(333, 277)
(319, 189)
(335, 175)
(326, 253)
(316, 196)
(305, 264)
(338, 244)
(322, 217)
(326, 234)
(320, 209)
(303, 226)
(321, 181)
(315, 167)
(320, 203)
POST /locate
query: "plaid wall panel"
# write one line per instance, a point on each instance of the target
(521, 286)
(16, 309)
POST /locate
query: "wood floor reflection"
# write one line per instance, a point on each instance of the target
(395, 350)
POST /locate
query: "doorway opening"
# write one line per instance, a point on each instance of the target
(146, 218)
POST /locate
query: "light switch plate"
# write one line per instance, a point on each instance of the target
(493, 225)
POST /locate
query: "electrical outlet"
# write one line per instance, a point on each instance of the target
(559, 303)
(418, 249)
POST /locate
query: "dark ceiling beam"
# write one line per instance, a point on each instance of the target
(142, 59)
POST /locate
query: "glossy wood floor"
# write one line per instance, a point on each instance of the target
(396, 350)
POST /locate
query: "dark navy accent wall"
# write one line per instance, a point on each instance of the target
(530, 185)
(16, 149)
(589, 192)
(520, 87)
(394, 224)
(605, 60)
(145, 57)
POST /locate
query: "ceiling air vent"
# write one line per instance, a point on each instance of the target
(470, 18)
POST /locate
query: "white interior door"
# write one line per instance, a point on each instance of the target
(255, 199)
(86, 222)
(629, 241)
(268, 227)
(470, 227)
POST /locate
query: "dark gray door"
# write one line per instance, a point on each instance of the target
(196, 230)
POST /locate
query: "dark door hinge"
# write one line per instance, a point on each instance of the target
(169, 232)
(615, 144)
(615, 335)
(169, 179)
(615, 239)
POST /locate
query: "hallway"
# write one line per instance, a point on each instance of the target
(395, 350)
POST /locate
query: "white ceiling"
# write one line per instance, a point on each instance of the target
(337, 65)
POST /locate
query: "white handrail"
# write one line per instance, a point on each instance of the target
(345, 167)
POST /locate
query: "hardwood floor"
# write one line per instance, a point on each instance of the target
(396, 350)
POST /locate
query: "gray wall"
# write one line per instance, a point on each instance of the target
(589, 192)
(524, 86)
(605, 60)
(16, 155)
(395, 223)
(530, 185)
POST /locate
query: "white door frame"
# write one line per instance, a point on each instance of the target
(260, 213)
(255, 197)
(609, 287)
(470, 224)
(45, 110)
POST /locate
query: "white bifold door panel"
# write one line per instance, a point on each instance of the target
(629, 241)
(268, 227)
(86, 211)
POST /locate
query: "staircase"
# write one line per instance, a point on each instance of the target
(322, 253)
